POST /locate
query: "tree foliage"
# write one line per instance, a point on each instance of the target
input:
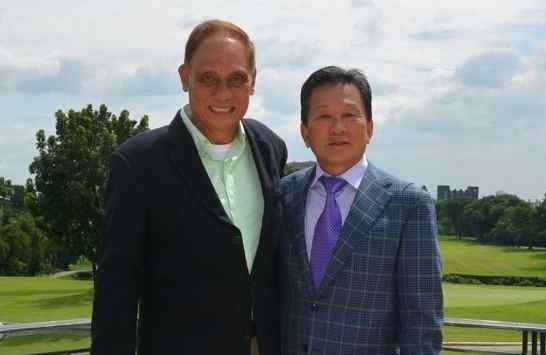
(23, 246)
(505, 219)
(451, 212)
(14, 249)
(70, 174)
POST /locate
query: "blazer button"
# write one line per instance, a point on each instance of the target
(314, 306)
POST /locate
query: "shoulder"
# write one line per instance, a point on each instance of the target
(401, 190)
(138, 147)
(272, 145)
(294, 180)
(260, 131)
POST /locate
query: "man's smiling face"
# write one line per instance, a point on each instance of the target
(337, 129)
(219, 81)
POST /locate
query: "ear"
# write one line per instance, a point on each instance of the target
(184, 72)
(304, 134)
(369, 128)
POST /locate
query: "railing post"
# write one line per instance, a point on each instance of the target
(534, 349)
(524, 342)
(542, 343)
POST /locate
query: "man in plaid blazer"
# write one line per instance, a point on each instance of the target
(361, 263)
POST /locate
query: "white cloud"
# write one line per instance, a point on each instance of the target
(38, 75)
(458, 86)
(151, 81)
(489, 70)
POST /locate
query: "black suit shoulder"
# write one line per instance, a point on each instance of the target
(140, 147)
(261, 132)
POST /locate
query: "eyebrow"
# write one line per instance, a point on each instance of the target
(239, 72)
(350, 105)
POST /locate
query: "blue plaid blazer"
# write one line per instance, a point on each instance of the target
(382, 291)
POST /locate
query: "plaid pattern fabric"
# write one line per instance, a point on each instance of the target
(382, 291)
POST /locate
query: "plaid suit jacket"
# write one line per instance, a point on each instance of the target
(382, 291)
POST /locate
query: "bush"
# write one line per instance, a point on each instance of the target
(495, 280)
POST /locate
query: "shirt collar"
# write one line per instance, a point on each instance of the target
(204, 145)
(353, 176)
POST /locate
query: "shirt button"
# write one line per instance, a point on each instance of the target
(314, 306)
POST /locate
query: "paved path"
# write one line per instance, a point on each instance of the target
(66, 273)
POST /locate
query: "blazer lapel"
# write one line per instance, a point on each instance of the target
(369, 202)
(262, 159)
(183, 155)
(296, 210)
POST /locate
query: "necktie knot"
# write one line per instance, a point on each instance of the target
(332, 184)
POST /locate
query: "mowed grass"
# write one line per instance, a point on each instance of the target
(523, 304)
(27, 299)
(33, 299)
(32, 344)
(503, 303)
(468, 257)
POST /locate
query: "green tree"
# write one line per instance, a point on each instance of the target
(71, 171)
(515, 227)
(539, 224)
(22, 246)
(11, 199)
(5, 187)
(481, 216)
(450, 215)
(294, 166)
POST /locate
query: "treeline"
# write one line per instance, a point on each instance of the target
(26, 245)
(503, 220)
(24, 248)
(55, 219)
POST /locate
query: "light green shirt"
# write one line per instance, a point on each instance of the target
(233, 174)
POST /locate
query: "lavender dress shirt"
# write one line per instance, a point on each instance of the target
(316, 198)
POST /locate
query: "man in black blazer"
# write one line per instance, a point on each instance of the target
(192, 219)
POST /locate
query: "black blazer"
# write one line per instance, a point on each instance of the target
(170, 251)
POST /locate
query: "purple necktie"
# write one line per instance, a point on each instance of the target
(327, 229)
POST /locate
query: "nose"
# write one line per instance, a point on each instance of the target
(222, 92)
(338, 125)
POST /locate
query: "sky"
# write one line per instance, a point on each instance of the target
(459, 87)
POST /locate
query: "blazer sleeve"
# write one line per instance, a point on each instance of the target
(419, 280)
(283, 157)
(117, 282)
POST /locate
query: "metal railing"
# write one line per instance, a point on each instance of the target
(83, 326)
(74, 326)
(536, 331)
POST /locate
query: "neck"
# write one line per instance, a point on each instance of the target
(220, 137)
(334, 171)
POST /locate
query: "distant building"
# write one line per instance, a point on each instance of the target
(473, 192)
(445, 193)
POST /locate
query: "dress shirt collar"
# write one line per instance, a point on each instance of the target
(205, 146)
(353, 176)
